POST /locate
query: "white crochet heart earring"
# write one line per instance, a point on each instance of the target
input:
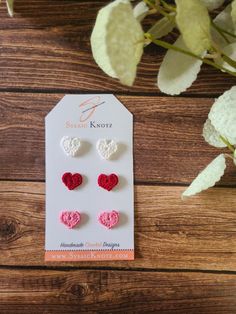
(106, 148)
(70, 145)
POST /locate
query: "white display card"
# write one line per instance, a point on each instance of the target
(89, 119)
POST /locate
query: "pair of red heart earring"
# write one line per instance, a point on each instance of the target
(106, 218)
(107, 182)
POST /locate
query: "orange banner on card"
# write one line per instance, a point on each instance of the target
(102, 255)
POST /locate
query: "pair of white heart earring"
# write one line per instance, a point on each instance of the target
(71, 146)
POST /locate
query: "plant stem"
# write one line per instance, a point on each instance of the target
(221, 54)
(157, 8)
(230, 156)
(188, 53)
(150, 4)
(152, 11)
(227, 143)
(223, 30)
(168, 6)
(229, 60)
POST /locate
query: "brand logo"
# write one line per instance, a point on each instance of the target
(88, 108)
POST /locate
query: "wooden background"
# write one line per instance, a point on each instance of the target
(185, 251)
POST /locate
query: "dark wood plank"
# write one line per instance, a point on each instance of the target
(46, 46)
(78, 291)
(168, 145)
(169, 233)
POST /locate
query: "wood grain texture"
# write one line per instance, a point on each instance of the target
(169, 233)
(46, 46)
(168, 145)
(76, 291)
(44, 53)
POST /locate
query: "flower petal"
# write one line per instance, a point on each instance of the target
(211, 136)
(177, 71)
(223, 115)
(208, 177)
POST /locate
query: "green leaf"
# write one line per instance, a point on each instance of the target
(177, 71)
(194, 24)
(211, 136)
(117, 41)
(224, 21)
(10, 4)
(228, 58)
(162, 27)
(141, 11)
(223, 115)
(212, 4)
(233, 11)
(208, 177)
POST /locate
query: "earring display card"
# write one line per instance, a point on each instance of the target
(89, 135)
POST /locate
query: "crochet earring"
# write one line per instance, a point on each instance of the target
(106, 148)
(70, 145)
(72, 181)
(70, 218)
(108, 182)
(109, 218)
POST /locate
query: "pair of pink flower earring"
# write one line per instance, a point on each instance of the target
(107, 182)
(71, 219)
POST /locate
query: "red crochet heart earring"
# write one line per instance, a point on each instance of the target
(72, 181)
(108, 182)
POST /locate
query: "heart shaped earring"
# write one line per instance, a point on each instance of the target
(106, 148)
(70, 145)
(109, 219)
(72, 181)
(70, 218)
(107, 182)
